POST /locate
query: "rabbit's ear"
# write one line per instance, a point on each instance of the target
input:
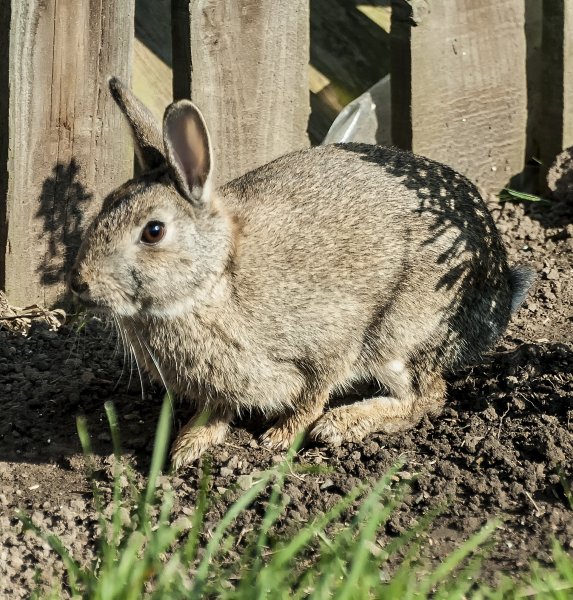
(145, 129)
(188, 150)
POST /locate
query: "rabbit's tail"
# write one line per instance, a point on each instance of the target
(521, 279)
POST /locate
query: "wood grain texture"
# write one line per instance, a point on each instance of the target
(65, 141)
(556, 120)
(459, 90)
(247, 70)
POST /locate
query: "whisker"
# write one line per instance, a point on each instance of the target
(130, 353)
(156, 363)
(136, 362)
(121, 341)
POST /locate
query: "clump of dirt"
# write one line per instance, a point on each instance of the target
(560, 176)
(502, 447)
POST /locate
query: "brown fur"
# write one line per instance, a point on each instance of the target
(325, 268)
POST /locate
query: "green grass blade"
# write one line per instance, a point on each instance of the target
(288, 551)
(192, 543)
(508, 194)
(368, 520)
(158, 456)
(105, 551)
(457, 557)
(116, 516)
(75, 573)
(233, 512)
(129, 555)
(567, 489)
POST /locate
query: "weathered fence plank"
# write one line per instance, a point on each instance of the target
(459, 85)
(556, 120)
(245, 64)
(63, 139)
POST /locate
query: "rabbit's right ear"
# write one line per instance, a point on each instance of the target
(188, 151)
(145, 129)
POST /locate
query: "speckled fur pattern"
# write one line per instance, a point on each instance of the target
(324, 268)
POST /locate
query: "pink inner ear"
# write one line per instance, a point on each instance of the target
(191, 149)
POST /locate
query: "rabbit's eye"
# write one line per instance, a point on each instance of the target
(153, 232)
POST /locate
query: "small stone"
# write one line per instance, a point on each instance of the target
(511, 381)
(37, 518)
(226, 472)
(124, 516)
(245, 482)
(87, 376)
(182, 523)
(233, 462)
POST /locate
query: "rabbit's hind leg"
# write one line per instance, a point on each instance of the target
(284, 431)
(386, 414)
(205, 430)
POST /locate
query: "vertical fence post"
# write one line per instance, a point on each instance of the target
(62, 142)
(245, 64)
(556, 120)
(459, 84)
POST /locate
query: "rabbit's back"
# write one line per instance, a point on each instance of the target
(394, 250)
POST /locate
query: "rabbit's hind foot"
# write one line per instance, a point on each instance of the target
(385, 414)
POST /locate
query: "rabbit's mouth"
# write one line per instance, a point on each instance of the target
(114, 301)
(105, 309)
(102, 307)
(94, 305)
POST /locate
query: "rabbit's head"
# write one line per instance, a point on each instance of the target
(160, 240)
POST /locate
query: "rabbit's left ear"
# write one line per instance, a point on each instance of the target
(188, 151)
(146, 131)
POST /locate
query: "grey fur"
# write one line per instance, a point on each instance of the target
(522, 278)
(322, 269)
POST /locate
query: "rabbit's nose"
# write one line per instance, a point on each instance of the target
(77, 286)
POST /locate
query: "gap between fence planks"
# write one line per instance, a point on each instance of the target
(556, 127)
(245, 64)
(459, 85)
(63, 142)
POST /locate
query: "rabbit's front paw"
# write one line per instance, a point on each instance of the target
(195, 438)
(284, 432)
(277, 437)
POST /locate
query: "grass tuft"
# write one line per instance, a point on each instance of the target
(148, 555)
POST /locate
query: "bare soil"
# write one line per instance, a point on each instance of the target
(502, 447)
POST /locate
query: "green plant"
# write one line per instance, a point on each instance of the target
(510, 195)
(149, 556)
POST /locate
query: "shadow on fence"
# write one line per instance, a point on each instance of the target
(62, 207)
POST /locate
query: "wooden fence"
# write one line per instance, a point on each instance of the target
(482, 86)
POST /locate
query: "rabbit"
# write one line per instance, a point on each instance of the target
(321, 270)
